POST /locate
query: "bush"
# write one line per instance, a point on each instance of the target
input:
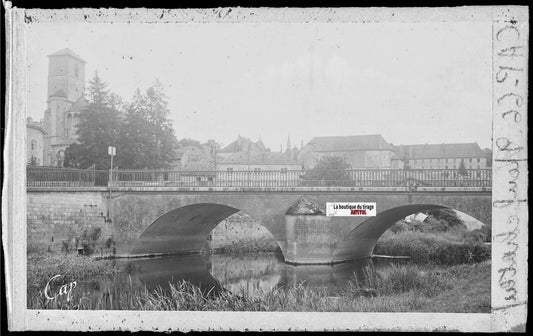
(432, 248)
(447, 217)
(484, 233)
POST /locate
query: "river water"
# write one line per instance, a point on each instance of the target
(253, 275)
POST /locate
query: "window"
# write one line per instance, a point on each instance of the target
(284, 170)
(478, 160)
(230, 170)
(33, 144)
(470, 160)
(68, 125)
(76, 71)
(257, 170)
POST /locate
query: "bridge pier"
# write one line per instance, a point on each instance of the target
(314, 240)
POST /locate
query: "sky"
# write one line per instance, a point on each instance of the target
(410, 82)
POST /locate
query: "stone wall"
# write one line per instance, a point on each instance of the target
(237, 229)
(58, 221)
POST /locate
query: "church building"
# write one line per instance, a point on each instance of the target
(66, 86)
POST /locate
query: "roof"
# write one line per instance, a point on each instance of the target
(259, 158)
(243, 144)
(36, 125)
(436, 151)
(67, 52)
(79, 104)
(349, 143)
(59, 93)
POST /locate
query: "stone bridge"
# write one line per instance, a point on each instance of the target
(152, 220)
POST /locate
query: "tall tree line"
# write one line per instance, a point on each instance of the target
(140, 130)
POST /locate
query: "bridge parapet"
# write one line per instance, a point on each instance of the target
(355, 178)
(262, 189)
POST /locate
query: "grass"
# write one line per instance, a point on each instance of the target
(470, 293)
(445, 248)
(396, 289)
(43, 266)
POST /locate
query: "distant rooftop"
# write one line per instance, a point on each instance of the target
(436, 151)
(349, 143)
(243, 144)
(68, 52)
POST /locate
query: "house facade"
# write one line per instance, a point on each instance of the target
(359, 151)
(443, 156)
(257, 162)
(35, 136)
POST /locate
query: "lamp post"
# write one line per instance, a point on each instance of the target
(112, 151)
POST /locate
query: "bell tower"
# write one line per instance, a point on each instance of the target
(66, 86)
(66, 72)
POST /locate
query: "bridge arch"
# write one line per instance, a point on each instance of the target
(183, 229)
(360, 242)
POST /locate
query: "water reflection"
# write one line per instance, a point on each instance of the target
(247, 274)
(253, 275)
(325, 277)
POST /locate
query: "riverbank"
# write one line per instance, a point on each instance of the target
(449, 248)
(406, 288)
(398, 289)
(44, 265)
(446, 273)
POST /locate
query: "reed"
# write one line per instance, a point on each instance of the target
(397, 289)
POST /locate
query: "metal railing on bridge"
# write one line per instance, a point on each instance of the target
(66, 177)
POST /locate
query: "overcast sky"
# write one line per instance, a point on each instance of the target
(410, 82)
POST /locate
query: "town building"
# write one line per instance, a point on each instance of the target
(245, 154)
(257, 162)
(250, 162)
(443, 156)
(359, 151)
(65, 100)
(35, 135)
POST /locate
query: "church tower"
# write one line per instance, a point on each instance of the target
(66, 86)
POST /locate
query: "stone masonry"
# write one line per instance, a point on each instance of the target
(62, 221)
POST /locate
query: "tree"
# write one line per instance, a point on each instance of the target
(189, 142)
(329, 171)
(147, 138)
(98, 128)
